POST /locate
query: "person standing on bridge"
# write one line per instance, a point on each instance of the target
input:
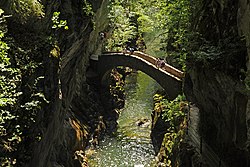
(159, 63)
(130, 50)
(162, 63)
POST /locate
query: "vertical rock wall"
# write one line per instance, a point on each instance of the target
(244, 30)
(76, 111)
(219, 91)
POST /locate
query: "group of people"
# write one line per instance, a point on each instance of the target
(129, 49)
(159, 63)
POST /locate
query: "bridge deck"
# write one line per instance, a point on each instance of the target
(153, 61)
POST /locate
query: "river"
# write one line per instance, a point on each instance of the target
(131, 145)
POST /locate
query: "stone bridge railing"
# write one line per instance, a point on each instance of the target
(168, 68)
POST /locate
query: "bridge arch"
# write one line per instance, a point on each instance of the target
(171, 81)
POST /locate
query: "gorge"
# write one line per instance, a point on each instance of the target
(53, 106)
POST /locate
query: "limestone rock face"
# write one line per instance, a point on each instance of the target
(222, 102)
(159, 128)
(221, 96)
(244, 30)
(76, 110)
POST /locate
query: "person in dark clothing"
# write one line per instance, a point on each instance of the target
(130, 49)
(159, 63)
(102, 35)
(162, 63)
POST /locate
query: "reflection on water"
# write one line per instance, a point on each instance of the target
(131, 146)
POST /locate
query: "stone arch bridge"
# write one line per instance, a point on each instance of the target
(167, 76)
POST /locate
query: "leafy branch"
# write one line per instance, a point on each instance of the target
(57, 24)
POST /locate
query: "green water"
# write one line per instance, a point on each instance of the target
(131, 146)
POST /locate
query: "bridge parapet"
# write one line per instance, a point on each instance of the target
(168, 68)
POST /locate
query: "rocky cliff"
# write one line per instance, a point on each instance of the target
(244, 30)
(76, 114)
(219, 85)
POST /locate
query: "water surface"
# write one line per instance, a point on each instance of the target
(131, 145)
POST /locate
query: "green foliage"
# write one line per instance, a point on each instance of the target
(207, 54)
(171, 110)
(123, 30)
(228, 55)
(8, 77)
(173, 114)
(130, 19)
(9, 82)
(87, 8)
(173, 17)
(21, 92)
(24, 10)
(57, 24)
